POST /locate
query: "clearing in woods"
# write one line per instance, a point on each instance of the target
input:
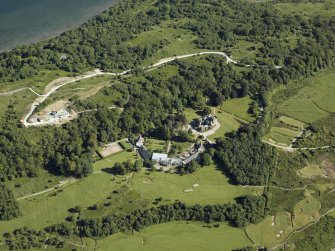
(239, 107)
(313, 101)
(179, 236)
(110, 149)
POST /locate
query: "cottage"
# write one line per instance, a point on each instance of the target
(140, 141)
(205, 123)
(158, 157)
(192, 157)
(163, 160)
(144, 153)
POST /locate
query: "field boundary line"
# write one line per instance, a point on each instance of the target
(60, 184)
(20, 90)
(322, 109)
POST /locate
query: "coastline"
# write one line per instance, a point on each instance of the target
(44, 19)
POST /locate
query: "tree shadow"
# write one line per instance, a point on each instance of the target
(108, 170)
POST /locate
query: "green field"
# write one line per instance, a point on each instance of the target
(180, 41)
(291, 122)
(112, 159)
(278, 138)
(242, 50)
(20, 100)
(275, 229)
(82, 89)
(324, 8)
(310, 171)
(271, 231)
(50, 208)
(238, 107)
(206, 186)
(24, 186)
(191, 114)
(41, 211)
(164, 72)
(228, 123)
(181, 236)
(312, 102)
(306, 211)
(155, 145)
(37, 82)
(281, 135)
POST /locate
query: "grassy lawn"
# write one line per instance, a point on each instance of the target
(25, 186)
(312, 102)
(164, 72)
(41, 211)
(324, 8)
(112, 159)
(179, 147)
(183, 236)
(271, 231)
(87, 83)
(191, 114)
(82, 89)
(281, 135)
(306, 211)
(228, 123)
(180, 40)
(278, 138)
(285, 131)
(209, 186)
(47, 209)
(156, 145)
(291, 122)
(238, 107)
(21, 100)
(37, 82)
(242, 50)
(310, 171)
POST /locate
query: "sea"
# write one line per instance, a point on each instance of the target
(26, 21)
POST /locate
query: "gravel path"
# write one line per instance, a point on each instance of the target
(98, 72)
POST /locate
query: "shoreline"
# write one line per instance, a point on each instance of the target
(46, 20)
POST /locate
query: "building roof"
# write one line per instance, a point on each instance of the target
(159, 156)
(192, 157)
(144, 153)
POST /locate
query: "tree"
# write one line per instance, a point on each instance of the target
(78, 209)
(206, 111)
(205, 159)
(9, 208)
(138, 165)
(245, 158)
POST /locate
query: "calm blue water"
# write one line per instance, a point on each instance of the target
(26, 21)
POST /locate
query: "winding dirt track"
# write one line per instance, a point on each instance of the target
(62, 183)
(303, 228)
(292, 149)
(19, 90)
(97, 72)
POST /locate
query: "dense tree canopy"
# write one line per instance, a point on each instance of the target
(9, 207)
(246, 210)
(245, 157)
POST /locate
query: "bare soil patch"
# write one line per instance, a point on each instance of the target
(328, 167)
(110, 149)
